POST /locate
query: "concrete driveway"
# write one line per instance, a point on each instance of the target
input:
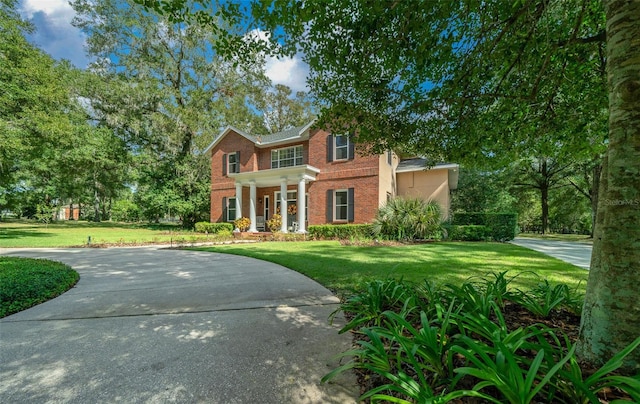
(157, 325)
(578, 254)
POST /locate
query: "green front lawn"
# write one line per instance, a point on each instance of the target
(72, 233)
(580, 238)
(344, 268)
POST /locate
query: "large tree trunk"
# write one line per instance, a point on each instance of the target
(96, 200)
(611, 316)
(594, 193)
(544, 200)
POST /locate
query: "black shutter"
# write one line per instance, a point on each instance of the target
(350, 210)
(329, 205)
(352, 149)
(237, 162)
(224, 208)
(329, 148)
(224, 164)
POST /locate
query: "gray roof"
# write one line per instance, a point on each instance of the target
(293, 133)
(285, 134)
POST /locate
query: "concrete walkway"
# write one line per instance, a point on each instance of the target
(578, 254)
(149, 325)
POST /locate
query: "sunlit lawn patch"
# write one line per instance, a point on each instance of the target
(342, 268)
(72, 233)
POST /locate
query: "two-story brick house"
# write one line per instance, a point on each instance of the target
(252, 176)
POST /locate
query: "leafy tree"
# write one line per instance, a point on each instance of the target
(165, 91)
(542, 174)
(468, 79)
(31, 93)
(48, 149)
(569, 211)
(586, 180)
(483, 191)
(282, 112)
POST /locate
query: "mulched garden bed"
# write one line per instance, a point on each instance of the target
(515, 317)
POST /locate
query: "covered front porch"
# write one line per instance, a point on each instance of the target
(262, 207)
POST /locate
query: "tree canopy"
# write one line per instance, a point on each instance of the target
(165, 92)
(131, 127)
(482, 81)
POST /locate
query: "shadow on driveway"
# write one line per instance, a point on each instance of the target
(153, 325)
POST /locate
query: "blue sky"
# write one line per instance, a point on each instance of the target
(56, 36)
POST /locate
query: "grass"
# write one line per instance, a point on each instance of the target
(344, 269)
(26, 282)
(581, 238)
(340, 268)
(72, 233)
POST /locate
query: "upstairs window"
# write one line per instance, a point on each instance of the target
(230, 163)
(234, 163)
(341, 147)
(288, 157)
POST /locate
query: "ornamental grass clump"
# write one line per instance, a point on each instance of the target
(408, 219)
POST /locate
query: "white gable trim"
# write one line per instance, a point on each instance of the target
(256, 139)
(224, 133)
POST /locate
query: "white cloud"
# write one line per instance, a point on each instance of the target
(59, 8)
(291, 72)
(54, 32)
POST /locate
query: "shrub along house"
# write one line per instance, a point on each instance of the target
(319, 176)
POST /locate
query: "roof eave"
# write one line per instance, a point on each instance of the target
(292, 139)
(425, 168)
(224, 133)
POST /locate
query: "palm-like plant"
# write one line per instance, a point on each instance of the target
(408, 219)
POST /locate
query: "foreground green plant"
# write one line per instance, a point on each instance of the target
(433, 345)
(26, 282)
(545, 298)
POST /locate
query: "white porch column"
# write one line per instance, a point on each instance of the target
(283, 204)
(252, 206)
(238, 200)
(302, 203)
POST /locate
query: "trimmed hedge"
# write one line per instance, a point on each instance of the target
(470, 232)
(213, 228)
(502, 226)
(339, 231)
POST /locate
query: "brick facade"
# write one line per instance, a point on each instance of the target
(369, 176)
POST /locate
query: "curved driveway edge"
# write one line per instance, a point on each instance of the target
(578, 254)
(157, 325)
